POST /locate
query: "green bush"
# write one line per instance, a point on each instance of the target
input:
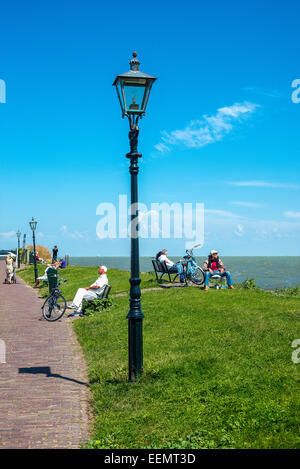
(288, 291)
(248, 284)
(96, 306)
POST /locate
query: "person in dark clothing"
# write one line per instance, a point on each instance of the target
(54, 254)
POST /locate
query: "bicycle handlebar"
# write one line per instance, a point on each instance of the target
(62, 280)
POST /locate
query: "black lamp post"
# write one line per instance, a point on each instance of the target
(33, 224)
(18, 233)
(133, 89)
(24, 244)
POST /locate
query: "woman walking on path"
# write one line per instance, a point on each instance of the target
(9, 267)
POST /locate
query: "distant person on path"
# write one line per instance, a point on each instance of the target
(161, 256)
(54, 254)
(90, 293)
(214, 266)
(10, 264)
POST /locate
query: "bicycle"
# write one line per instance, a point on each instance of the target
(191, 270)
(55, 305)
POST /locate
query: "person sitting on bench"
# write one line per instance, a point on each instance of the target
(44, 277)
(90, 293)
(214, 266)
(63, 264)
(161, 256)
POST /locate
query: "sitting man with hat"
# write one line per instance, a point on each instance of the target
(90, 293)
(214, 266)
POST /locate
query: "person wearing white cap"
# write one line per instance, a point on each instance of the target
(92, 292)
(214, 266)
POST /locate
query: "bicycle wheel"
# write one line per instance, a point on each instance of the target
(197, 276)
(54, 308)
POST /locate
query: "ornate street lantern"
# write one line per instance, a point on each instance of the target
(33, 224)
(133, 88)
(18, 233)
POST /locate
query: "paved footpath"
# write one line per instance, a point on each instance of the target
(43, 385)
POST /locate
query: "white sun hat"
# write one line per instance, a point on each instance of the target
(213, 252)
(103, 267)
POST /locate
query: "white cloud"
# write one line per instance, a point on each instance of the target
(270, 93)
(161, 147)
(292, 214)
(222, 213)
(78, 235)
(255, 229)
(274, 185)
(239, 231)
(208, 129)
(247, 204)
(8, 234)
(75, 235)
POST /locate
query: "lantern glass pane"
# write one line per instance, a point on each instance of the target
(120, 95)
(134, 91)
(33, 225)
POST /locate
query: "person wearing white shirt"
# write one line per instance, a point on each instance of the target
(92, 292)
(172, 268)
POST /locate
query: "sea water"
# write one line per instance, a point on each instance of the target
(268, 272)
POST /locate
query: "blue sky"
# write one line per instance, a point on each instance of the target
(221, 128)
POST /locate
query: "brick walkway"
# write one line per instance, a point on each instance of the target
(43, 386)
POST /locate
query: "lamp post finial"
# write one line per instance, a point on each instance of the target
(134, 62)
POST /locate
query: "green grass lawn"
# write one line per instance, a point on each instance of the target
(217, 368)
(83, 276)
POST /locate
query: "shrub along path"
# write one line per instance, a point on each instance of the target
(44, 390)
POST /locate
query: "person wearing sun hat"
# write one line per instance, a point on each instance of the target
(92, 292)
(214, 266)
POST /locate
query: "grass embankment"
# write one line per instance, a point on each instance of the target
(82, 276)
(217, 370)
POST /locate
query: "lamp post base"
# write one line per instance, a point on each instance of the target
(135, 342)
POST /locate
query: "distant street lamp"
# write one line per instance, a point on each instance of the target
(33, 224)
(24, 244)
(18, 233)
(133, 89)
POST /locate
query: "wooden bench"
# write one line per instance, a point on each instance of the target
(105, 293)
(103, 296)
(162, 268)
